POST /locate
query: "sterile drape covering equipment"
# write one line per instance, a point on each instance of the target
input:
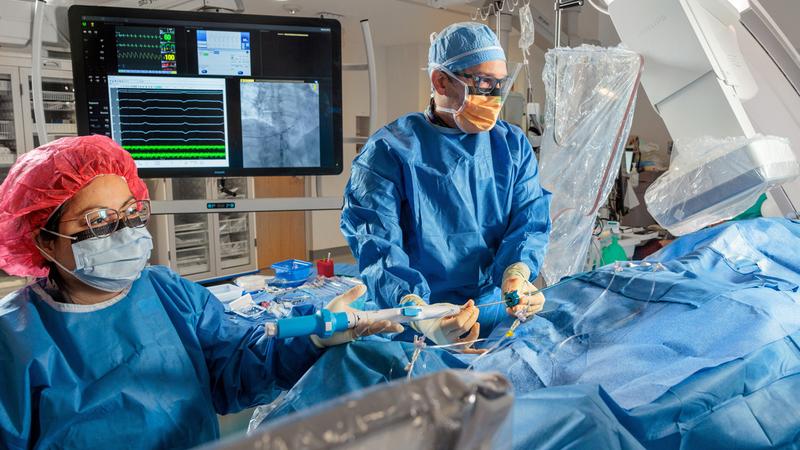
(711, 180)
(591, 94)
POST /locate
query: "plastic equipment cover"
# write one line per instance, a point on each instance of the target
(712, 180)
(591, 93)
(446, 410)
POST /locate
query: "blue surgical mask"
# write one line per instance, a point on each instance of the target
(112, 263)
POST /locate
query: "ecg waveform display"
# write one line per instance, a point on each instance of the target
(146, 50)
(170, 122)
(163, 124)
(160, 124)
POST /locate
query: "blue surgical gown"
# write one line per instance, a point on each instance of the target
(439, 213)
(149, 370)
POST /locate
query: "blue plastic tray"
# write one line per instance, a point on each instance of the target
(292, 270)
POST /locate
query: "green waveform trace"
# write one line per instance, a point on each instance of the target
(139, 45)
(138, 36)
(173, 147)
(179, 155)
(139, 55)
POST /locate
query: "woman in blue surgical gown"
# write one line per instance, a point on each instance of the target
(101, 351)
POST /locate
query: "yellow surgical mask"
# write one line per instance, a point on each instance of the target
(479, 113)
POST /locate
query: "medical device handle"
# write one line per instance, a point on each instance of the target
(324, 323)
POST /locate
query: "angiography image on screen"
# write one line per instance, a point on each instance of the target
(280, 124)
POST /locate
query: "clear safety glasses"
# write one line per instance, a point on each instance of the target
(484, 85)
(105, 221)
(481, 84)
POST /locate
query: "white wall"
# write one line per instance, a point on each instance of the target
(647, 124)
(402, 88)
(355, 102)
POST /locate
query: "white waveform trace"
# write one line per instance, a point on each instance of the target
(146, 108)
(168, 100)
(177, 124)
(124, 91)
(173, 131)
(127, 140)
(168, 115)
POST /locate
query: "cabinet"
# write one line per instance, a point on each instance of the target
(11, 134)
(17, 129)
(58, 94)
(12, 143)
(205, 246)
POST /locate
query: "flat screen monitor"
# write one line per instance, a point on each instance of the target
(192, 94)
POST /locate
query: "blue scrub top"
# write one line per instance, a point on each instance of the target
(439, 213)
(149, 369)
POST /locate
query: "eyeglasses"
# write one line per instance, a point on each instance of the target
(484, 85)
(105, 221)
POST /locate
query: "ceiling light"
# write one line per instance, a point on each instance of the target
(740, 5)
(292, 9)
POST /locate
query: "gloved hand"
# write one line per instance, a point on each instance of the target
(515, 279)
(462, 327)
(342, 304)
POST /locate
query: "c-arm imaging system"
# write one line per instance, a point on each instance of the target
(713, 71)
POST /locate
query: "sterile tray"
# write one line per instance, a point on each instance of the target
(189, 270)
(6, 126)
(190, 249)
(230, 226)
(59, 106)
(6, 159)
(195, 226)
(233, 248)
(228, 262)
(62, 128)
(191, 239)
(58, 96)
(201, 259)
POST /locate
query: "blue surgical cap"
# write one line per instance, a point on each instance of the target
(463, 45)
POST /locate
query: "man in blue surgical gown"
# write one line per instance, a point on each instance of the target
(446, 206)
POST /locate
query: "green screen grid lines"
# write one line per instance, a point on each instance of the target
(176, 151)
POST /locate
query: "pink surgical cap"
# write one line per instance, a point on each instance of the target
(43, 179)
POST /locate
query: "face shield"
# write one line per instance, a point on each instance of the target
(478, 105)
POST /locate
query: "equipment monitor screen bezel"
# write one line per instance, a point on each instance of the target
(78, 13)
